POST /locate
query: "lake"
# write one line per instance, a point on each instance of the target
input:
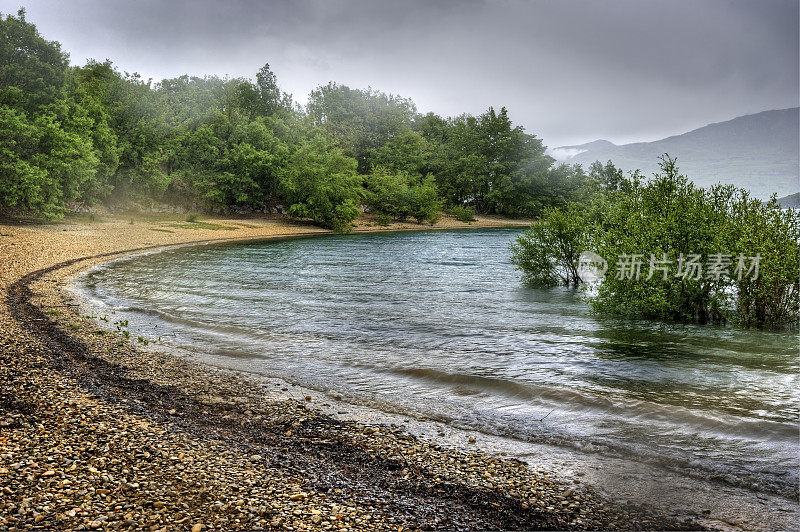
(438, 324)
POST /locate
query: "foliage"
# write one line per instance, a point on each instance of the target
(23, 182)
(608, 176)
(667, 217)
(321, 183)
(497, 168)
(773, 299)
(462, 214)
(655, 228)
(32, 69)
(359, 121)
(548, 252)
(401, 196)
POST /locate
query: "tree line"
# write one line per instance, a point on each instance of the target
(91, 134)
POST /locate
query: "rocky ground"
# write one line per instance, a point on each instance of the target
(97, 433)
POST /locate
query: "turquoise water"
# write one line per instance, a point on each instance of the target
(437, 324)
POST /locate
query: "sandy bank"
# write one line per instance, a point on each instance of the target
(96, 433)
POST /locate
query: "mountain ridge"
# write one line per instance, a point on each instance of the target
(759, 152)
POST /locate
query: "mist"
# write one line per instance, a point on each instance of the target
(570, 72)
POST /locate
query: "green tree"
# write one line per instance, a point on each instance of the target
(92, 133)
(607, 176)
(23, 183)
(407, 151)
(32, 69)
(496, 167)
(321, 183)
(668, 218)
(772, 300)
(548, 252)
(402, 196)
(47, 138)
(359, 121)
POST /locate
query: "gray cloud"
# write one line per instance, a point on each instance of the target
(569, 71)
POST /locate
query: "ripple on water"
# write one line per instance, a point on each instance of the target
(438, 324)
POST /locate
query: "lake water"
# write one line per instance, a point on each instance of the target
(437, 324)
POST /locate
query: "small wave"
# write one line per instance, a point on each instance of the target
(570, 400)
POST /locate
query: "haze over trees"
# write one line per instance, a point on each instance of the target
(90, 134)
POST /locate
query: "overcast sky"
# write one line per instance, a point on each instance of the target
(569, 71)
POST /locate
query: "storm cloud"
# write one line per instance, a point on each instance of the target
(569, 71)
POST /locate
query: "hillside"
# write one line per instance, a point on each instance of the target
(790, 202)
(758, 152)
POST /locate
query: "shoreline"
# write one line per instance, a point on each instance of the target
(172, 444)
(678, 493)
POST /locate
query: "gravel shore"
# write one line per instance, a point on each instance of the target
(97, 433)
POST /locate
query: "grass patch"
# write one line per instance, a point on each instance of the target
(149, 217)
(82, 217)
(161, 230)
(74, 327)
(202, 225)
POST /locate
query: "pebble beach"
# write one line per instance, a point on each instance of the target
(100, 432)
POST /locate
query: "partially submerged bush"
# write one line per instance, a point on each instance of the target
(548, 252)
(648, 231)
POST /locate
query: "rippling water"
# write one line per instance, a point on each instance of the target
(438, 324)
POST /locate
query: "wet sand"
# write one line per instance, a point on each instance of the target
(98, 432)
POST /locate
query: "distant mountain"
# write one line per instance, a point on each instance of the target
(791, 201)
(566, 152)
(759, 152)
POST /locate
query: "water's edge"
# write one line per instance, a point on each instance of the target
(619, 478)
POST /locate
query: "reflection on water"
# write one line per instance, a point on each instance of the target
(438, 324)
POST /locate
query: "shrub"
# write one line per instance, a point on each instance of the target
(402, 196)
(548, 252)
(463, 214)
(424, 204)
(668, 220)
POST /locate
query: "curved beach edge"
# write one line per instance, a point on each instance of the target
(99, 433)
